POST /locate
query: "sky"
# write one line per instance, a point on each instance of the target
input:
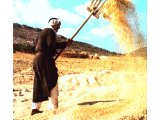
(97, 32)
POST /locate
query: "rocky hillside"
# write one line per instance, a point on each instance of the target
(23, 37)
(140, 52)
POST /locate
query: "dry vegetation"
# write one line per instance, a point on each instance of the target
(90, 89)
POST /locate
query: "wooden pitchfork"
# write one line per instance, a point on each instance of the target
(95, 9)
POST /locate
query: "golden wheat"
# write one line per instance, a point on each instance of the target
(122, 15)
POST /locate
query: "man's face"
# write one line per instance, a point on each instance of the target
(56, 28)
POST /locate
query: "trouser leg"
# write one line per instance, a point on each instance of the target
(36, 105)
(53, 100)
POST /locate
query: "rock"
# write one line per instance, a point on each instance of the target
(20, 93)
(103, 57)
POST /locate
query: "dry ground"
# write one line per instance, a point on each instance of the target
(89, 89)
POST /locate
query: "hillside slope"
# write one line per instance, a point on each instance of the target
(23, 37)
(140, 52)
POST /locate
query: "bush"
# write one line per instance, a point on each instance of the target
(23, 48)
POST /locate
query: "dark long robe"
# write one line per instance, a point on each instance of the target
(46, 73)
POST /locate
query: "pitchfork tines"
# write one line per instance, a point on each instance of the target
(95, 7)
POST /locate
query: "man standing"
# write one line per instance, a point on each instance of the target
(46, 73)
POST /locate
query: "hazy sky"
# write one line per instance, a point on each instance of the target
(98, 32)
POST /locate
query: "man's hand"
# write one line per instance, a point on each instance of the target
(69, 42)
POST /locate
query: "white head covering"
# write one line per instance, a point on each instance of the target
(54, 22)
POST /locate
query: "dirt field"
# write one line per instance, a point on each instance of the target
(89, 89)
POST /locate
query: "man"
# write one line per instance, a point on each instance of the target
(46, 73)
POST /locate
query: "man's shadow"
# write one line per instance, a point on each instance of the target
(94, 102)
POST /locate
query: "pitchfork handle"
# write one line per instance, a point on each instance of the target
(76, 32)
(82, 25)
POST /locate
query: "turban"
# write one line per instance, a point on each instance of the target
(54, 22)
